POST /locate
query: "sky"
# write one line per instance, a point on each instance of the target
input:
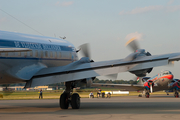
(105, 24)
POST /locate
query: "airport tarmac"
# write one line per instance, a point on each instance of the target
(127, 107)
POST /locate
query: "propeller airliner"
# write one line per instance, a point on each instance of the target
(159, 82)
(39, 60)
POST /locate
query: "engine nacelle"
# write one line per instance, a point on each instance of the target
(86, 82)
(141, 73)
(148, 84)
(139, 54)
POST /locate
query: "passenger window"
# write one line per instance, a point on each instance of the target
(70, 55)
(19, 53)
(65, 55)
(31, 53)
(25, 54)
(11, 54)
(36, 53)
(59, 54)
(55, 54)
(6, 54)
(51, 54)
(41, 54)
(46, 53)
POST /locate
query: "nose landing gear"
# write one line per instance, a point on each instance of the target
(147, 93)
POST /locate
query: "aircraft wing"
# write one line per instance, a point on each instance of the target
(14, 49)
(81, 69)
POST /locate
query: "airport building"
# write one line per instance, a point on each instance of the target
(21, 88)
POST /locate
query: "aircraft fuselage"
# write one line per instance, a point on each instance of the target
(46, 52)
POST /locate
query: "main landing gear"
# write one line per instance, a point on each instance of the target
(67, 98)
(147, 93)
(176, 94)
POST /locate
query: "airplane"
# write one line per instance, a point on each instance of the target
(159, 82)
(40, 60)
(174, 86)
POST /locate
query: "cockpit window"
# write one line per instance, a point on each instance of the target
(166, 73)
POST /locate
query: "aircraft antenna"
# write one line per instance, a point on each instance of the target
(62, 37)
(21, 21)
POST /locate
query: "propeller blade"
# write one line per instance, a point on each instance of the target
(151, 89)
(132, 44)
(85, 50)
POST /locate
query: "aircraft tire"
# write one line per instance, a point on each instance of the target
(63, 101)
(176, 94)
(147, 94)
(139, 95)
(75, 101)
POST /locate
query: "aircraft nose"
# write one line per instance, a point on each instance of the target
(170, 77)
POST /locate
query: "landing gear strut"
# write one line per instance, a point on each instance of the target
(67, 97)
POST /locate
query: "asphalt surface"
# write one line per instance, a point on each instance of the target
(123, 108)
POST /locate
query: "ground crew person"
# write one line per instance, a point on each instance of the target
(40, 94)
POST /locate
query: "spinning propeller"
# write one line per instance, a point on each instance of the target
(133, 44)
(85, 50)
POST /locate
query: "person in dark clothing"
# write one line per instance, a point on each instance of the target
(99, 93)
(40, 94)
(109, 95)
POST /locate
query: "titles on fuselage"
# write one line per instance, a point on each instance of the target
(22, 44)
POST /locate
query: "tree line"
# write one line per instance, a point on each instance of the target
(96, 80)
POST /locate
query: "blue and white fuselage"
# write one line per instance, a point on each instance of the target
(44, 52)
